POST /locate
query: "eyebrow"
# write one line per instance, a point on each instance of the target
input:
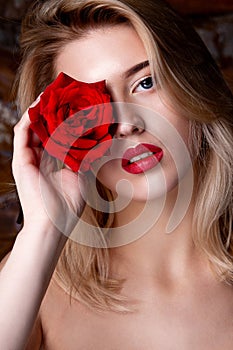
(136, 69)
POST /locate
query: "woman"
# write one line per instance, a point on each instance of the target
(143, 288)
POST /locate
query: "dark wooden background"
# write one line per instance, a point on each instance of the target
(212, 19)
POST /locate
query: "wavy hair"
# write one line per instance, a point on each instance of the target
(186, 71)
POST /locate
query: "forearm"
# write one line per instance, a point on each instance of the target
(23, 283)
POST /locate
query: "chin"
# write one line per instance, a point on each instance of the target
(141, 188)
(154, 184)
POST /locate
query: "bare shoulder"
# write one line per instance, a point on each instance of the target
(36, 338)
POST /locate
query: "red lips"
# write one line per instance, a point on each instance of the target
(141, 158)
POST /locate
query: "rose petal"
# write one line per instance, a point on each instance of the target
(72, 120)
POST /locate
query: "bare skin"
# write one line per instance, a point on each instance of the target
(179, 302)
(194, 316)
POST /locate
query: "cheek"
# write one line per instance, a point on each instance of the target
(166, 124)
(182, 126)
(178, 162)
(184, 130)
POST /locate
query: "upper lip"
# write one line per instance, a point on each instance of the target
(139, 149)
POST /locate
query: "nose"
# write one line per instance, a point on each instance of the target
(126, 129)
(128, 122)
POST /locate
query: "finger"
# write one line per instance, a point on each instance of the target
(22, 134)
(23, 125)
(35, 140)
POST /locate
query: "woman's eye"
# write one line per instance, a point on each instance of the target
(144, 84)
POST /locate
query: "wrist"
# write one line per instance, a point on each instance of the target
(42, 239)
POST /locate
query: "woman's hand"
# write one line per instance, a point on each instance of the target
(51, 202)
(47, 194)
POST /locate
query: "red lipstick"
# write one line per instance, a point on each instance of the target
(143, 157)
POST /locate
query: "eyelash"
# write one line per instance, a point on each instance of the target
(144, 80)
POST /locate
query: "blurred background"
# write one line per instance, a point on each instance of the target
(212, 19)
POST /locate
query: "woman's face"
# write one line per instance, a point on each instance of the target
(151, 144)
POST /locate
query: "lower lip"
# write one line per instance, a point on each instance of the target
(143, 165)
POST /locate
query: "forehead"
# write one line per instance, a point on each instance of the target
(102, 54)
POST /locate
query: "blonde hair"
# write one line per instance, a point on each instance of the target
(187, 72)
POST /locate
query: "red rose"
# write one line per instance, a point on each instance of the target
(71, 118)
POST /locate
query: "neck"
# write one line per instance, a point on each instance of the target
(154, 252)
